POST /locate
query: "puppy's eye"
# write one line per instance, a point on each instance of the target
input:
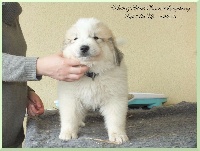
(75, 38)
(96, 38)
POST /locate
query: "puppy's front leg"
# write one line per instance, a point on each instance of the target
(69, 119)
(114, 113)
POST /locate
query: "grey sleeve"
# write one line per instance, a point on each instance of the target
(19, 68)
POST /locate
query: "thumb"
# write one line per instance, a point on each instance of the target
(60, 53)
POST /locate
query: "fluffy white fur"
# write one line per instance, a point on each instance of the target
(108, 91)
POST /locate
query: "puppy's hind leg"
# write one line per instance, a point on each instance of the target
(114, 114)
(82, 117)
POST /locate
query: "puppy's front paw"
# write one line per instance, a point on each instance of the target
(118, 138)
(68, 135)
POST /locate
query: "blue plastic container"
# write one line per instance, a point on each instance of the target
(146, 99)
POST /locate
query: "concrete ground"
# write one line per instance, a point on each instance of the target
(160, 127)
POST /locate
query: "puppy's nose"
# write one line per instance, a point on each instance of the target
(84, 48)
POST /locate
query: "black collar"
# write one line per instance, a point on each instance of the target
(91, 74)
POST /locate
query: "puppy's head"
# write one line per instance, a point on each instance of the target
(89, 40)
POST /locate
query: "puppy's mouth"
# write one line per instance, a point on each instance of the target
(86, 53)
(86, 58)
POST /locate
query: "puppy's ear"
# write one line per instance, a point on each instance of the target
(118, 55)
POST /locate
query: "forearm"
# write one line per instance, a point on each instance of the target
(19, 68)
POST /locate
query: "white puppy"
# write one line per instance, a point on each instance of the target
(103, 87)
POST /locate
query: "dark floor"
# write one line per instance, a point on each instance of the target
(159, 127)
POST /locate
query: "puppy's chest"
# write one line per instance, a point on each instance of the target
(92, 94)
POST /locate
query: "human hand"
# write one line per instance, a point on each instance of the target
(35, 106)
(60, 68)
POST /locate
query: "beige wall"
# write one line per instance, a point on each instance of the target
(160, 53)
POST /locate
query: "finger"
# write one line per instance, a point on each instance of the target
(41, 111)
(71, 77)
(39, 103)
(68, 80)
(75, 76)
(33, 109)
(78, 70)
(30, 112)
(84, 69)
(38, 107)
(72, 62)
(75, 70)
(34, 102)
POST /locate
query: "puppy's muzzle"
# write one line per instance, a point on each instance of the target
(84, 50)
